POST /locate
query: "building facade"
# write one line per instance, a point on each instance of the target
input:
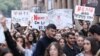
(49, 4)
(45, 5)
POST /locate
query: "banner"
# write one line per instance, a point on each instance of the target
(39, 21)
(84, 13)
(20, 16)
(61, 18)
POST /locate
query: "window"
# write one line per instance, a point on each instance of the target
(35, 1)
(43, 1)
(55, 0)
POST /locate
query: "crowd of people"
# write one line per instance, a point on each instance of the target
(25, 41)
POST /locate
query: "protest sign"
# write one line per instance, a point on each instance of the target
(84, 13)
(61, 18)
(39, 20)
(20, 16)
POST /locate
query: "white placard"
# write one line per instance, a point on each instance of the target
(20, 16)
(84, 13)
(40, 20)
(61, 18)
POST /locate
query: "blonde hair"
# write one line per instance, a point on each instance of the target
(56, 44)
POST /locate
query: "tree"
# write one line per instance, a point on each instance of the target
(7, 5)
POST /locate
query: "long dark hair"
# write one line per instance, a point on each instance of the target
(5, 52)
(94, 46)
(29, 43)
(56, 44)
(33, 36)
(38, 35)
(23, 40)
(61, 39)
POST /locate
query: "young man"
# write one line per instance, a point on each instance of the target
(43, 43)
(84, 30)
(80, 43)
(70, 48)
(95, 32)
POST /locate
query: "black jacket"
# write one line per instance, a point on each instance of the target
(83, 33)
(12, 44)
(41, 46)
(69, 51)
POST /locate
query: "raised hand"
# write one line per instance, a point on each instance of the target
(3, 22)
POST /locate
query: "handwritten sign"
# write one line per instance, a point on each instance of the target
(84, 13)
(20, 16)
(40, 20)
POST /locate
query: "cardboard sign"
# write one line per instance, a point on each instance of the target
(61, 18)
(84, 13)
(20, 16)
(39, 21)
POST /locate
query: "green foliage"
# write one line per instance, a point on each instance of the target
(7, 5)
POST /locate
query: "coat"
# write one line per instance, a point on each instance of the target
(41, 46)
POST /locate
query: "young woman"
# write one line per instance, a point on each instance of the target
(42, 33)
(13, 45)
(31, 38)
(58, 36)
(37, 34)
(30, 44)
(89, 48)
(61, 42)
(80, 43)
(8, 53)
(54, 50)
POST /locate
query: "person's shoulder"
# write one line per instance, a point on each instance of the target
(66, 48)
(45, 38)
(81, 31)
(98, 53)
(64, 54)
(80, 54)
(76, 46)
(41, 40)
